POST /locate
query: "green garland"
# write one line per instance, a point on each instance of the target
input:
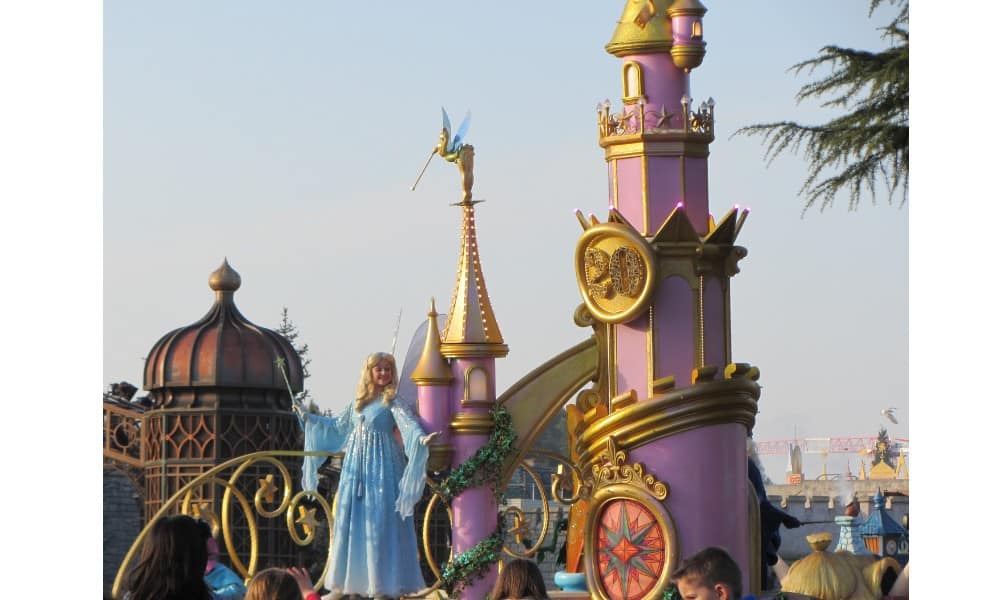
(484, 468)
(486, 465)
(470, 565)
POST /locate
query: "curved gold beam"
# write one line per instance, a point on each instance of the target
(702, 404)
(540, 394)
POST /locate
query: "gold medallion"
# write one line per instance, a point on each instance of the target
(614, 269)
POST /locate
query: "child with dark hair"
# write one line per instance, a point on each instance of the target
(520, 579)
(172, 562)
(281, 584)
(711, 574)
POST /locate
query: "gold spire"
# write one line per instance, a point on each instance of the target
(432, 369)
(643, 27)
(471, 329)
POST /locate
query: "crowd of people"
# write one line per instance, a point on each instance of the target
(179, 560)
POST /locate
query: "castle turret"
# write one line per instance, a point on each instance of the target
(472, 340)
(434, 378)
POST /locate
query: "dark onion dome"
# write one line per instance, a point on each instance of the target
(222, 351)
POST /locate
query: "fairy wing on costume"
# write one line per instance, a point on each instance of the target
(462, 130)
(406, 390)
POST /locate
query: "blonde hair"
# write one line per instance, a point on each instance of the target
(366, 387)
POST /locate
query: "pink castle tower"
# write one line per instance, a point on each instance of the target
(456, 381)
(665, 427)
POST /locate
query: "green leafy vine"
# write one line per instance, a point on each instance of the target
(470, 565)
(484, 468)
(486, 465)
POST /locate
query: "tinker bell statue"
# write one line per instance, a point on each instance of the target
(453, 150)
(374, 542)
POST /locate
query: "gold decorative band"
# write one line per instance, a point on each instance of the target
(700, 405)
(428, 381)
(467, 350)
(668, 143)
(440, 456)
(472, 423)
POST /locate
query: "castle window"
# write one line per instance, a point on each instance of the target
(632, 82)
(477, 388)
(696, 30)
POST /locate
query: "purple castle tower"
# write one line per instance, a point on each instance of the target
(665, 427)
(456, 395)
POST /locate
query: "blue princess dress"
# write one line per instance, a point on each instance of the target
(374, 542)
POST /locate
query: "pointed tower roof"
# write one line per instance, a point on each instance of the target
(471, 329)
(644, 27)
(432, 368)
(880, 522)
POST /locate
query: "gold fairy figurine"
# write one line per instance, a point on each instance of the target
(453, 150)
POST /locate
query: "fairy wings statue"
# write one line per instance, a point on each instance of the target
(453, 150)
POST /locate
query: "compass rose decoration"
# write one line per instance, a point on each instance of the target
(630, 549)
(631, 543)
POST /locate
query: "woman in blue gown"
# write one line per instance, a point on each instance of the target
(374, 543)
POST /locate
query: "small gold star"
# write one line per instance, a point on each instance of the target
(520, 529)
(267, 488)
(307, 519)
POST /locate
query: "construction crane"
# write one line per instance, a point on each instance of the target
(831, 445)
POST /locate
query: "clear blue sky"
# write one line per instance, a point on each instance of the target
(286, 135)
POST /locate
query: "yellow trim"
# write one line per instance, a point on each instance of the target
(644, 167)
(673, 142)
(650, 358)
(612, 363)
(472, 423)
(614, 183)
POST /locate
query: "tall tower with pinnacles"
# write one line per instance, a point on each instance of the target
(665, 428)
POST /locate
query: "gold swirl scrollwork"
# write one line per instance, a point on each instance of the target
(520, 528)
(575, 484)
(188, 500)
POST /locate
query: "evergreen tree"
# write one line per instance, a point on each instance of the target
(870, 143)
(290, 332)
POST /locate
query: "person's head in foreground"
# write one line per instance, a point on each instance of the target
(172, 562)
(519, 579)
(280, 584)
(709, 575)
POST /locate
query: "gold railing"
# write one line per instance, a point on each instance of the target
(302, 521)
(121, 434)
(643, 118)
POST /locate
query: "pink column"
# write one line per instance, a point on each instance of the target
(434, 407)
(706, 470)
(474, 510)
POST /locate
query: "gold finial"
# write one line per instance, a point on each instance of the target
(432, 368)
(225, 278)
